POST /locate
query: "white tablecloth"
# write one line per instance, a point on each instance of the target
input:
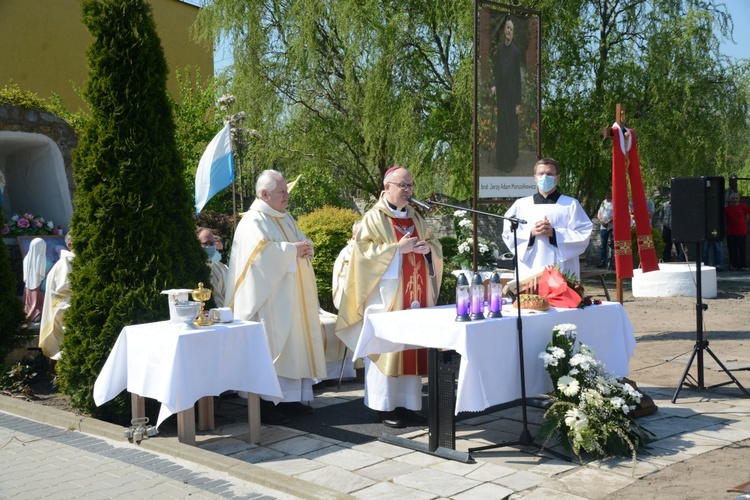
(489, 372)
(178, 367)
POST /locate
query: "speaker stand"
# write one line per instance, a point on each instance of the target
(700, 343)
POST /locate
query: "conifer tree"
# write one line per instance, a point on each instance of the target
(11, 307)
(132, 224)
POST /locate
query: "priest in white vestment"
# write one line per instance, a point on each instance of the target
(271, 280)
(56, 303)
(396, 264)
(557, 229)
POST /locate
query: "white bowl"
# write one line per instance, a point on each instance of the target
(186, 312)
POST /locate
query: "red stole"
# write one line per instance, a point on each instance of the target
(414, 291)
(625, 164)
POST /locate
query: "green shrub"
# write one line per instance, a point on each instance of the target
(11, 308)
(133, 218)
(659, 245)
(329, 228)
(447, 289)
(450, 250)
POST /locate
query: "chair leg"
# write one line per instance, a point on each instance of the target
(604, 285)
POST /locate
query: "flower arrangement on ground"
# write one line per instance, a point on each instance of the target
(27, 224)
(591, 408)
(464, 258)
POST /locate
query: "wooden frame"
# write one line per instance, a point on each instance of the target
(52, 241)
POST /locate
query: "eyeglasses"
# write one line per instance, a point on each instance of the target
(403, 186)
(208, 243)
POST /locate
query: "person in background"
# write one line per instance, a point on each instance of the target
(666, 229)
(736, 215)
(35, 268)
(56, 302)
(219, 270)
(271, 280)
(711, 254)
(604, 215)
(396, 264)
(341, 266)
(557, 229)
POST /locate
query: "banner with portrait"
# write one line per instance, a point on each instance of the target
(507, 105)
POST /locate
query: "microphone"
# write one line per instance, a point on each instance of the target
(420, 204)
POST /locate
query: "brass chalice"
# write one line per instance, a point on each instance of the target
(201, 295)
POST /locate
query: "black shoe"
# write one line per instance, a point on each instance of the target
(295, 408)
(411, 416)
(269, 415)
(390, 419)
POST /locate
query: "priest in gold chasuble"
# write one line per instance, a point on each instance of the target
(396, 264)
(271, 280)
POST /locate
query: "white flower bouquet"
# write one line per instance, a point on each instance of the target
(591, 409)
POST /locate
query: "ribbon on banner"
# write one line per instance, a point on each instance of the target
(626, 165)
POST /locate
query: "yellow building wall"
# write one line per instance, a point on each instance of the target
(44, 46)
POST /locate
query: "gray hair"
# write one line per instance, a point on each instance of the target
(267, 180)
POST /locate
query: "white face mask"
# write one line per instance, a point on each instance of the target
(545, 182)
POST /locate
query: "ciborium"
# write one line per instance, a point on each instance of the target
(201, 295)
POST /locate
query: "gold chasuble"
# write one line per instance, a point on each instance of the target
(373, 286)
(269, 284)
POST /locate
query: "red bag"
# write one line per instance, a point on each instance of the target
(554, 287)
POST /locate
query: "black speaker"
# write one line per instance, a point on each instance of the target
(697, 209)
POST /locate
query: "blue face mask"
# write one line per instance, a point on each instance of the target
(211, 251)
(545, 182)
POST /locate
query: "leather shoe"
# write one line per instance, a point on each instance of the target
(411, 416)
(269, 415)
(294, 408)
(390, 419)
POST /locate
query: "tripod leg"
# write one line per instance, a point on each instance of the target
(685, 373)
(727, 371)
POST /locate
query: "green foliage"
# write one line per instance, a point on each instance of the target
(353, 88)
(12, 335)
(447, 288)
(330, 229)
(16, 378)
(450, 250)
(134, 228)
(659, 245)
(660, 59)
(13, 94)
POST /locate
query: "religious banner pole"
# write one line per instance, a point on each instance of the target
(607, 132)
(626, 170)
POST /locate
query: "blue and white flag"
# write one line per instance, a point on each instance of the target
(216, 168)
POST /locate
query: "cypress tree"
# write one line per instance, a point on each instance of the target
(132, 224)
(11, 307)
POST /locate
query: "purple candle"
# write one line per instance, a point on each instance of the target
(495, 303)
(462, 307)
(477, 305)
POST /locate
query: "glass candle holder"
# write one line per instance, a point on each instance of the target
(477, 297)
(496, 297)
(463, 298)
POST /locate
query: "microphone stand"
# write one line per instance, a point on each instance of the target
(525, 439)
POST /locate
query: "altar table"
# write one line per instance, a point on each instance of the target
(489, 372)
(178, 367)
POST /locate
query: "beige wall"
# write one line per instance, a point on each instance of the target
(44, 45)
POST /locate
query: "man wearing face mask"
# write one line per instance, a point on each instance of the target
(557, 229)
(219, 270)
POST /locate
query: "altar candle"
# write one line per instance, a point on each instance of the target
(477, 305)
(495, 303)
(462, 307)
